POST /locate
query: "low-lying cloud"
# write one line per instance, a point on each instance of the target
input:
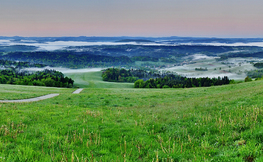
(57, 45)
(64, 70)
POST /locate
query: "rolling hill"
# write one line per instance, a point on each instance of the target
(222, 123)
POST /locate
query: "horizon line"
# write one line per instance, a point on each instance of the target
(211, 37)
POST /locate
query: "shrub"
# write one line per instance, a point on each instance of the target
(248, 79)
(139, 83)
(166, 86)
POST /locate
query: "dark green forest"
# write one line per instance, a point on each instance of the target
(123, 75)
(160, 51)
(255, 73)
(49, 78)
(259, 64)
(19, 64)
(123, 55)
(144, 58)
(176, 81)
(17, 48)
(68, 59)
(241, 54)
(200, 69)
(144, 79)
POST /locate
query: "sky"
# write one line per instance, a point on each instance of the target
(156, 18)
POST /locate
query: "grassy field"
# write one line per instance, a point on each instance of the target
(94, 80)
(222, 123)
(10, 92)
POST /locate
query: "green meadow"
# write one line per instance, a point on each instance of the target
(94, 80)
(11, 92)
(115, 122)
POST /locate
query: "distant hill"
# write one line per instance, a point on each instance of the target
(135, 40)
(17, 48)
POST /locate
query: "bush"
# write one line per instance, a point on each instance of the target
(248, 79)
(139, 83)
(166, 86)
(232, 82)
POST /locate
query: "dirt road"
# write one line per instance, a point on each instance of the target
(78, 91)
(31, 99)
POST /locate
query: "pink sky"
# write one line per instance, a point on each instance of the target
(217, 18)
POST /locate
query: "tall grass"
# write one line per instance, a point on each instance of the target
(10, 92)
(199, 124)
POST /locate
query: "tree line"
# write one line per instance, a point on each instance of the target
(49, 78)
(255, 73)
(201, 69)
(176, 81)
(131, 75)
(19, 64)
(145, 79)
(68, 59)
(144, 58)
(258, 65)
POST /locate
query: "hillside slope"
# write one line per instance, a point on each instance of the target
(94, 80)
(222, 123)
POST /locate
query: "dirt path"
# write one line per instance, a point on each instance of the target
(78, 91)
(31, 99)
(38, 98)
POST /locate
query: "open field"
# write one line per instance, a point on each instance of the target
(30, 99)
(94, 80)
(11, 92)
(222, 123)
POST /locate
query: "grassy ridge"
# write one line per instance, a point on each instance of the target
(94, 80)
(222, 123)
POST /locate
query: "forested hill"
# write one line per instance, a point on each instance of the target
(122, 55)
(158, 51)
(123, 75)
(176, 81)
(68, 59)
(18, 64)
(17, 48)
(49, 78)
(144, 79)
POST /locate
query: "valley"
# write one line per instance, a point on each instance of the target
(113, 121)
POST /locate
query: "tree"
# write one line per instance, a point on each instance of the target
(49, 82)
(139, 83)
(248, 79)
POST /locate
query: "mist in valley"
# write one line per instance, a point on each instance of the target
(63, 70)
